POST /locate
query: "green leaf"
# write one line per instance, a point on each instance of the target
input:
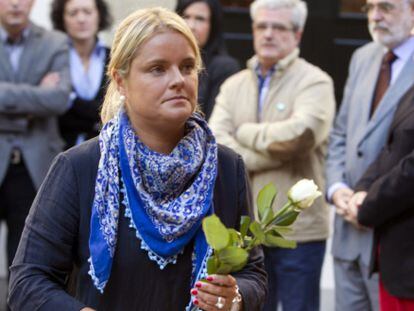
(286, 219)
(257, 243)
(274, 232)
(276, 241)
(257, 231)
(282, 230)
(247, 240)
(212, 265)
(233, 256)
(265, 199)
(235, 237)
(224, 268)
(216, 233)
(244, 225)
(268, 216)
(239, 267)
(279, 231)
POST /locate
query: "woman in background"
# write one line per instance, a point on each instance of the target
(125, 209)
(205, 20)
(88, 57)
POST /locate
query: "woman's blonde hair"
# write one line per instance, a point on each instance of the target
(131, 34)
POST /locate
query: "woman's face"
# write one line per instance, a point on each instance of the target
(81, 19)
(197, 16)
(161, 87)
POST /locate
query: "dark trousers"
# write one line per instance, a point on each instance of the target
(294, 276)
(16, 196)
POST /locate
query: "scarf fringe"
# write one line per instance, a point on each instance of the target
(161, 262)
(98, 284)
(107, 202)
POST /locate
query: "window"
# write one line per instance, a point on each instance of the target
(351, 6)
(236, 3)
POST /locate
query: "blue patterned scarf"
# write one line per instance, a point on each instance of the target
(165, 196)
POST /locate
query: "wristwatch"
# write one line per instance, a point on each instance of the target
(236, 302)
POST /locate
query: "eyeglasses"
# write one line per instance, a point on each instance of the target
(383, 7)
(275, 27)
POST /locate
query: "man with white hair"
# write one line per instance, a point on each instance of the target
(380, 73)
(277, 114)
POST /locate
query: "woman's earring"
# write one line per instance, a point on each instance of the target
(122, 100)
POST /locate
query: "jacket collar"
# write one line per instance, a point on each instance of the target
(281, 65)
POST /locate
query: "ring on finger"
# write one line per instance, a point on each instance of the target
(220, 303)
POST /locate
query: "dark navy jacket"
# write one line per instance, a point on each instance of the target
(389, 205)
(56, 235)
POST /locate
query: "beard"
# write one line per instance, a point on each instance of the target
(389, 36)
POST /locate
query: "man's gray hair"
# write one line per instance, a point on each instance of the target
(299, 10)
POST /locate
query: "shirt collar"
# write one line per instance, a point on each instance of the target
(99, 46)
(269, 73)
(4, 35)
(405, 50)
(281, 64)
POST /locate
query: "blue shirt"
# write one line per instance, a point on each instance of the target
(87, 82)
(263, 87)
(14, 49)
(403, 53)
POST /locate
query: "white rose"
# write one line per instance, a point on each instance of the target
(303, 193)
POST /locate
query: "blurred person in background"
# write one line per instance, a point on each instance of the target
(277, 114)
(126, 208)
(34, 90)
(380, 73)
(81, 20)
(383, 200)
(205, 20)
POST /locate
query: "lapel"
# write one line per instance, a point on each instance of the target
(29, 53)
(368, 83)
(405, 109)
(391, 97)
(6, 69)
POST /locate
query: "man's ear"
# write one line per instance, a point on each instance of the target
(120, 82)
(298, 36)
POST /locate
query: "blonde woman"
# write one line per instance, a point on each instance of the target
(125, 208)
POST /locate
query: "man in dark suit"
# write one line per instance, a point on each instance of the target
(380, 73)
(34, 89)
(385, 202)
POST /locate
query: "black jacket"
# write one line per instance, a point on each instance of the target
(389, 205)
(218, 69)
(83, 116)
(56, 235)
